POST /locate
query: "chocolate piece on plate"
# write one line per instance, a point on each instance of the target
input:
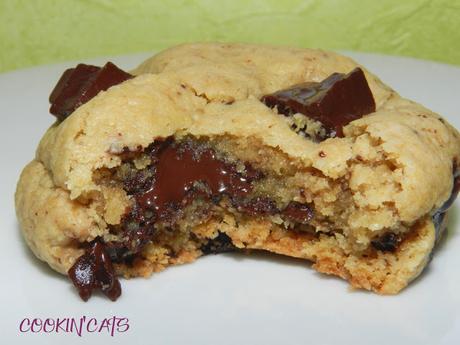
(94, 270)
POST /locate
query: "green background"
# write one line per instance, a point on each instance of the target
(35, 32)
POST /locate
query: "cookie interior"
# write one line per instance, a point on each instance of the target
(271, 202)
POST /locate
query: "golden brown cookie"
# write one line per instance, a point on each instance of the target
(216, 147)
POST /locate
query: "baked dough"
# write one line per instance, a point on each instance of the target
(389, 173)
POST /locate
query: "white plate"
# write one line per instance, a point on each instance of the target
(224, 299)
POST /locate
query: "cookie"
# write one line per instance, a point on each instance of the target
(209, 148)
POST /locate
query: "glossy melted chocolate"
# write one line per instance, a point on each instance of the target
(94, 270)
(78, 85)
(185, 170)
(335, 101)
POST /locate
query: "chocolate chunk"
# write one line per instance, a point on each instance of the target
(298, 212)
(257, 206)
(221, 244)
(94, 270)
(78, 85)
(386, 243)
(335, 102)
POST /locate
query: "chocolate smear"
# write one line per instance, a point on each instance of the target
(335, 101)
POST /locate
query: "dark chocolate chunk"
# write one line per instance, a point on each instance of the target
(256, 206)
(94, 270)
(78, 85)
(386, 243)
(298, 212)
(335, 102)
(221, 244)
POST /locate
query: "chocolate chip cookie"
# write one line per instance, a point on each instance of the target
(210, 148)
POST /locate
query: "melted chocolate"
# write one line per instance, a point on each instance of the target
(183, 171)
(256, 206)
(186, 170)
(94, 270)
(78, 85)
(178, 174)
(298, 212)
(335, 101)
